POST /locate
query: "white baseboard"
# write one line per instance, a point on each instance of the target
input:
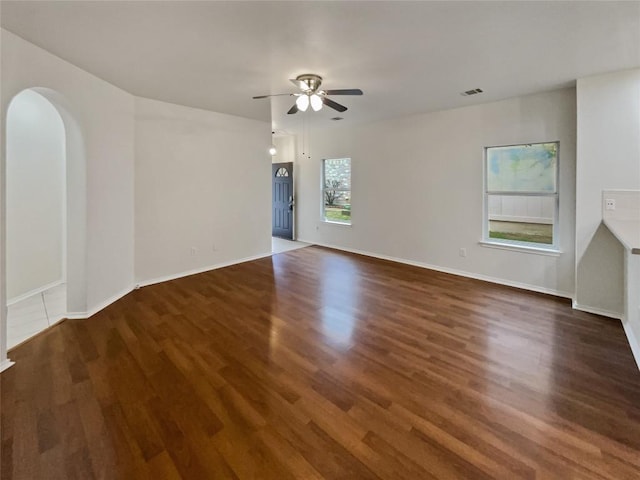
(33, 292)
(166, 278)
(6, 363)
(453, 271)
(100, 306)
(596, 311)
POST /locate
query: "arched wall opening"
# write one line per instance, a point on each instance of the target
(72, 237)
(35, 197)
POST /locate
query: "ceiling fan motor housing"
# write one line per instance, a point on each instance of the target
(309, 82)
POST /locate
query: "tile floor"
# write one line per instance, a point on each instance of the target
(35, 314)
(279, 245)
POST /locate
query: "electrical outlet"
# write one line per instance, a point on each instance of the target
(194, 250)
(463, 252)
(610, 204)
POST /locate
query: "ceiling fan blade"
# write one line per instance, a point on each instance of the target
(274, 95)
(293, 109)
(335, 105)
(344, 91)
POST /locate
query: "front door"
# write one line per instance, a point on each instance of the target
(282, 177)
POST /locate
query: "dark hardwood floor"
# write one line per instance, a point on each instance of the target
(321, 364)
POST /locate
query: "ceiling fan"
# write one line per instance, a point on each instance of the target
(311, 95)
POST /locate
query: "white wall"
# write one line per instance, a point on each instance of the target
(98, 119)
(285, 149)
(35, 197)
(203, 181)
(608, 146)
(624, 222)
(417, 188)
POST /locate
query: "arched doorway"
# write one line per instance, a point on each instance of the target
(35, 216)
(44, 213)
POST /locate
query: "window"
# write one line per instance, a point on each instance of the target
(521, 195)
(336, 190)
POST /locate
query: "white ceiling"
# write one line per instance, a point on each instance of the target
(408, 57)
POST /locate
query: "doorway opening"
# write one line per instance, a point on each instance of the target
(283, 209)
(36, 216)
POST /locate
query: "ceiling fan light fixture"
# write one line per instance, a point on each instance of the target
(316, 102)
(302, 103)
(310, 94)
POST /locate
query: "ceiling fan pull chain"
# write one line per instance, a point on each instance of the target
(308, 144)
(303, 134)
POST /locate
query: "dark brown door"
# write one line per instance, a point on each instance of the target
(282, 208)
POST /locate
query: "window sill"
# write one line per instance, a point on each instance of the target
(551, 252)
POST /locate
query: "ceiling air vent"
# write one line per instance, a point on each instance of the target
(475, 91)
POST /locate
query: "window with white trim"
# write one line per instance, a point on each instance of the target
(336, 190)
(521, 195)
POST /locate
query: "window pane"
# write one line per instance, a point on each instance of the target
(521, 218)
(336, 192)
(522, 168)
(340, 208)
(337, 173)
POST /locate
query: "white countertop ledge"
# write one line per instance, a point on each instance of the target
(627, 231)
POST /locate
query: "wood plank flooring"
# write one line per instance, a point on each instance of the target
(321, 364)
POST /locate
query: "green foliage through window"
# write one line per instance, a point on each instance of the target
(336, 190)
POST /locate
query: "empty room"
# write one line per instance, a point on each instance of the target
(320, 240)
